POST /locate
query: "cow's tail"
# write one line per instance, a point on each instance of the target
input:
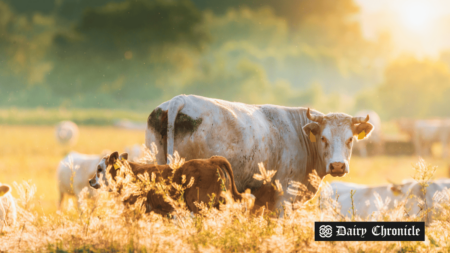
(225, 165)
(175, 105)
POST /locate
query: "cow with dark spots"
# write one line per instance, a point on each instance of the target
(293, 141)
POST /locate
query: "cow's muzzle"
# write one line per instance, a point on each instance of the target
(337, 169)
(93, 184)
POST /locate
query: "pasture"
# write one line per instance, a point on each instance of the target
(32, 153)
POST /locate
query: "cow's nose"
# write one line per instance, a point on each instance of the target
(337, 168)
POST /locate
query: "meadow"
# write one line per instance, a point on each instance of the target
(31, 153)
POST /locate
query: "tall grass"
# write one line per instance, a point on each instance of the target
(106, 224)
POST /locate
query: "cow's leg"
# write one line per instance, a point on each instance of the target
(61, 198)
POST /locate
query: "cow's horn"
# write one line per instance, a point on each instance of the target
(357, 120)
(314, 117)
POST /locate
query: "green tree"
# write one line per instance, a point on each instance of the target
(121, 48)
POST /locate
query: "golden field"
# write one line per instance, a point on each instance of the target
(32, 153)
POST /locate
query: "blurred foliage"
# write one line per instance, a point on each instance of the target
(412, 88)
(135, 54)
(51, 116)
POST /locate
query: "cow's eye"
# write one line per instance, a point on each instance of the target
(349, 140)
(99, 170)
(325, 141)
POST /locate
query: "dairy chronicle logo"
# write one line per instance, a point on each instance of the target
(325, 231)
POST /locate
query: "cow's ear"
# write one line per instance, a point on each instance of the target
(311, 127)
(363, 130)
(123, 156)
(113, 157)
(4, 189)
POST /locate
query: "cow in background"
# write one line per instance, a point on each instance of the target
(293, 141)
(369, 199)
(424, 133)
(375, 139)
(66, 133)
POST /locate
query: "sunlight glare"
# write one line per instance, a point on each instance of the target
(417, 15)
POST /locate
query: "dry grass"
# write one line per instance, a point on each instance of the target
(105, 225)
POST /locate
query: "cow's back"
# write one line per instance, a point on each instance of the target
(364, 200)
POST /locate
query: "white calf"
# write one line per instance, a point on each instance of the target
(74, 172)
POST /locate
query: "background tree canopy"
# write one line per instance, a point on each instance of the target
(135, 54)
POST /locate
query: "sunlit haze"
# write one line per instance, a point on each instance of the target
(417, 16)
(418, 27)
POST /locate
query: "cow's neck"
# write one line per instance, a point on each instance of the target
(314, 159)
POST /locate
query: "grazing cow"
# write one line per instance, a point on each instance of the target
(367, 198)
(8, 213)
(211, 177)
(66, 133)
(293, 141)
(375, 139)
(74, 172)
(424, 133)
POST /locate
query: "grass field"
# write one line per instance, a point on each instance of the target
(31, 153)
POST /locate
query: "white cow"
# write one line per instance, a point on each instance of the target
(375, 138)
(424, 133)
(367, 200)
(66, 133)
(75, 170)
(8, 213)
(290, 140)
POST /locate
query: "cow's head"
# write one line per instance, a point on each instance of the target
(335, 133)
(108, 164)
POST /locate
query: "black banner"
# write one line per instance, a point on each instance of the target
(369, 231)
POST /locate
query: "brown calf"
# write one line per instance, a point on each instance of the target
(205, 172)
